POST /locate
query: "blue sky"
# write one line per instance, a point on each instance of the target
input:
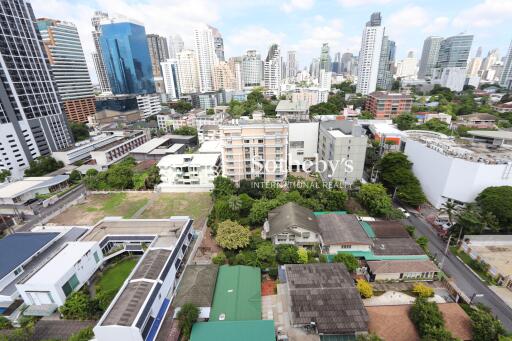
(302, 25)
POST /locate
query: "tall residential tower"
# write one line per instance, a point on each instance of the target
(97, 57)
(429, 56)
(369, 55)
(32, 122)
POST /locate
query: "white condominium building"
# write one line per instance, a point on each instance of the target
(369, 55)
(187, 72)
(188, 172)
(254, 149)
(170, 74)
(205, 57)
(272, 69)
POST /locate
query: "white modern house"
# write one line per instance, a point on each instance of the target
(188, 172)
(63, 274)
(19, 192)
(458, 170)
(302, 144)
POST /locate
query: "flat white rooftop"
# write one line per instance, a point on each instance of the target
(210, 147)
(60, 263)
(189, 160)
(151, 144)
(14, 189)
(337, 133)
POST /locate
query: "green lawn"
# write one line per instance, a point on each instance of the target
(112, 205)
(195, 205)
(114, 277)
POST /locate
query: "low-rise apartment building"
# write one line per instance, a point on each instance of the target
(149, 104)
(255, 149)
(119, 149)
(292, 111)
(342, 148)
(188, 172)
(387, 105)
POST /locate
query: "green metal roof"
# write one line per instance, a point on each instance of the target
(369, 255)
(333, 212)
(237, 294)
(260, 330)
(368, 229)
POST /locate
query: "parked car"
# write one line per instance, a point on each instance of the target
(404, 211)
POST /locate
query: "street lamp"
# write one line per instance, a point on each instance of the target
(475, 295)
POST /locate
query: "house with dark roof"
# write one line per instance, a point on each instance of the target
(322, 298)
(292, 224)
(477, 120)
(397, 270)
(342, 232)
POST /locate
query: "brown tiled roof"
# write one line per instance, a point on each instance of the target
(325, 294)
(401, 266)
(392, 323)
(389, 229)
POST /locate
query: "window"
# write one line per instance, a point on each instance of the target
(96, 257)
(70, 285)
(17, 271)
(305, 235)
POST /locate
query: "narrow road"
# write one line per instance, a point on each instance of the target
(468, 282)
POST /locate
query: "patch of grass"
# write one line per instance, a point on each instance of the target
(195, 205)
(119, 202)
(114, 277)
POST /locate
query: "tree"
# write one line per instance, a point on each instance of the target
(376, 200)
(85, 334)
(181, 106)
(210, 111)
(349, 260)
(266, 254)
(223, 187)
(323, 109)
(120, 176)
(367, 115)
(426, 316)
(423, 243)
(187, 316)
(405, 121)
(105, 297)
(80, 131)
(43, 165)
(5, 323)
(251, 187)
(435, 125)
(368, 337)
(75, 176)
(79, 306)
(302, 255)
(4, 174)
(365, 289)
(260, 209)
(485, 326)
(232, 236)
(450, 208)
(498, 201)
(287, 254)
(153, 177)
(186, 130)
(422, 290)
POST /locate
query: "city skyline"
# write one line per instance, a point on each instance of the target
(309, 23)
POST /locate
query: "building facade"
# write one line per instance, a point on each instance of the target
(158, 52)
(451, 65)
(429, 56)
(32, 122)
(272, 69)
(254, 149)
(218, 43)
(387, 59)
(251, 69)
(369, 55)
(97, 57)
(205, 57)
(325, 58)
(171, 77)
(176, 45)
(149, 105)
(387, 105)
(292, 64)
(344, 144)
(187, 71)
(302, 145)
(506, 76)
(125, 52)
(67, 61)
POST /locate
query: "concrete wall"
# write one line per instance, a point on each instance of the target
(307, 134)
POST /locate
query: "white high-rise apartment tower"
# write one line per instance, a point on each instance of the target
(187, 71)
(170, 75)
(251, 69)
(175, 45)
(97, 57)
(506, 76)
(292, 64)
(272, 69)
(429, 56)
(369, 55)
(205, 57)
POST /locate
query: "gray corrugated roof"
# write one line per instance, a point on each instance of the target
(287, 216)
(18, 247)
(396, 247)
(197, 285)
(401, 266)
(389, 229)
(341, 229)
(325, 294)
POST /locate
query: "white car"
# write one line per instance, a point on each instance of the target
(404, 211)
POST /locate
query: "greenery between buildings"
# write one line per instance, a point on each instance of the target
(187, 316)
(122, 176)
(255, 101)
(422, 290)
(42, 166)
(349, 260)
(4, 174)
(429, 321)
(486, 327)
(79, 131)
(365, 289)
(85, 334)
(111, 280)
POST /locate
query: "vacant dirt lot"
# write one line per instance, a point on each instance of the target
(98, 206)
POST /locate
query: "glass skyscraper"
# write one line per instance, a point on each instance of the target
(126, 56)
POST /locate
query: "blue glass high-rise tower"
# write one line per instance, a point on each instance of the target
(125, 52)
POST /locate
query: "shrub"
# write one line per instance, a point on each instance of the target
(79, 306)
(85, 334)
(422, 290)
(104, 297)
(303, 255)
(219, 259)
(5, 323)
(187, 316)
(365, 289)
(349, 260)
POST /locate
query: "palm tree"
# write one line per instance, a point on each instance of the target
(471, 219)
(451, 209)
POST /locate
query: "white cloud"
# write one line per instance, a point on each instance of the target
(488, 13)
(251, 38)
(293, 5)
(437, 25)
(359, 3)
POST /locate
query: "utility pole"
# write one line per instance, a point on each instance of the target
(445, 252)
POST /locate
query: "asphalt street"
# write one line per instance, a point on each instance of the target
(465, 279)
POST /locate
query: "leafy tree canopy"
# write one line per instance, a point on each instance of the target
(232, 236)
